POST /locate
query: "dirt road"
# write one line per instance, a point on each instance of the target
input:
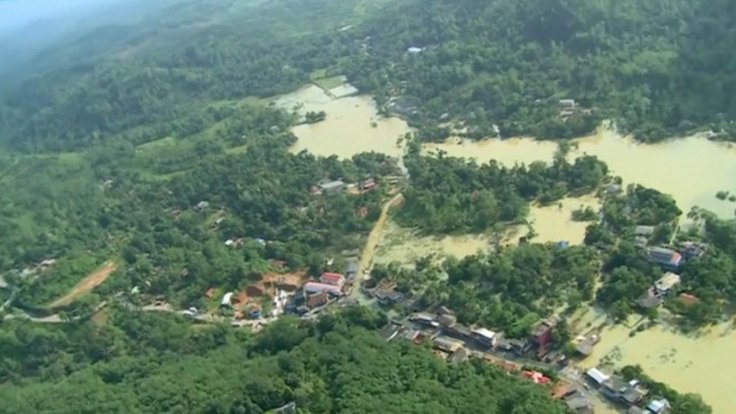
(86, 285)
(366, 256)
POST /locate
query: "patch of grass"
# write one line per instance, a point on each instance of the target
(329, 83)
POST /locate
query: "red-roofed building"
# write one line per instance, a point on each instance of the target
(535, 376)
(688, 299)
(334, 279)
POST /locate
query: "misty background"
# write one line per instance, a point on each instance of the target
(29, 28)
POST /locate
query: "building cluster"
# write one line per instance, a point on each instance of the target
(670, 260)
(631, 395)
(339, 186)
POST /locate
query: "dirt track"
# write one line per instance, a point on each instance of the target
(84, 286)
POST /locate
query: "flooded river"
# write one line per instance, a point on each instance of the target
(691, 169)
(352, 125)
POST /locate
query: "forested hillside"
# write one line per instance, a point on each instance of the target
(655, 67)
(153, 364)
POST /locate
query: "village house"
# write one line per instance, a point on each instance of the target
(584, 347)
(658, 406)
(316, 300)
(650, 299)
(424, 319)
(391, 331)
(334, 279)
(596, 376)
(541, 336)
(613, 388)
(668, 259)
(484, 337)
(446, 344)
(387, 297)
(666, 283)
(351, 270)
(333, 187)
(314, 287)
(579, 403)
(368, 184)
(447, 320)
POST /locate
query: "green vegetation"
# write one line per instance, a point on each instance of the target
(584, 214)
(650, 66)
(453, 195)
(146, 363)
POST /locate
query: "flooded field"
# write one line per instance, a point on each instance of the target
(352, 125)
(405, 246)
(691, 169)
(553, 223)
(688, 363)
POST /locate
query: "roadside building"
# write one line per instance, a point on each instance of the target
(485, 337)
(578, 403)
(447, 320)
(585, 347)
(314, 287)
(351, 270)
(316, 300)
(667, 258)
(424, 319)
(596, 376)
(614, 388)
(541, 336)
(334, 279)
(644, 231)
(446, 344)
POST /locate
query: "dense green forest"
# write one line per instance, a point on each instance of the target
(453, 195)
(642, 64)
(147, 363)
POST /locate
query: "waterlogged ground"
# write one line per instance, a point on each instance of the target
(696, 363)
(352, 125)
(406, 247)
(692, 169)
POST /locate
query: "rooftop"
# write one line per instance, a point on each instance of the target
(597, 375)
(668, 281)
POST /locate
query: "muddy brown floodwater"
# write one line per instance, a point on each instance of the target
(404, 246)
(692, 169)
(352, 125)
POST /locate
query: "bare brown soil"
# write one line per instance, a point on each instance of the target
(86, 285)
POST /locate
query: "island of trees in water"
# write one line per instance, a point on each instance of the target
(155, 160)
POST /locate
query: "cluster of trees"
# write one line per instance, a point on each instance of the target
(650, 66)
(643, 64)
(139, 202)
(450, 194)
(511, 289)
(146, 363)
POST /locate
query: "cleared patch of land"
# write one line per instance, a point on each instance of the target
(86, 285)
